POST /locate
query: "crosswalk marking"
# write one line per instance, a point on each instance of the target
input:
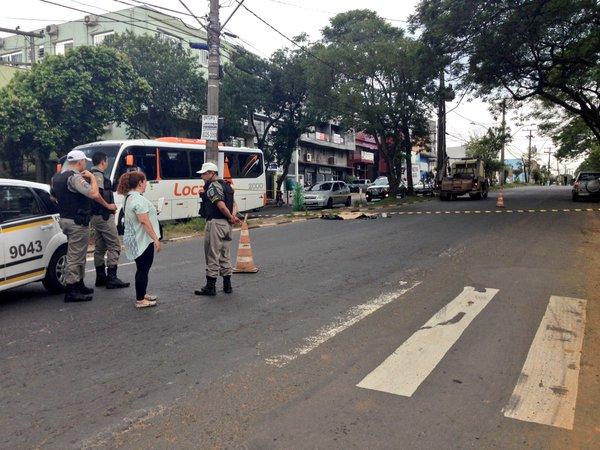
(546, 390)
(352, 316)
(405, 369)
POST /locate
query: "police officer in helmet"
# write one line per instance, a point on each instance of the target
(73, 188)
(103, 223)
(219, 210)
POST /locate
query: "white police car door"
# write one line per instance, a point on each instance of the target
(26, 231)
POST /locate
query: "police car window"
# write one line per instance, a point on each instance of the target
(196, 161)
(174, 164)
(17, 203)
(49, 204)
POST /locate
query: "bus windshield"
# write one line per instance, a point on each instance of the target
(110, 150)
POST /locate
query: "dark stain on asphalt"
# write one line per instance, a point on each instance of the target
(572, 366)
(559, 329)
(559, 390)
(470, 302)
(454, 320)
(457, 381)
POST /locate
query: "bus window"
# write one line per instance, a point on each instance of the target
(196, 161)
(174, 164)
(144, 158)
(244, 165)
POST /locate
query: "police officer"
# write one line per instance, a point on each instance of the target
(105, 229)
(73, 188)
(219, 210)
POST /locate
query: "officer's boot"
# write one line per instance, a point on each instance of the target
(73, 294)
(81, 287)
(210, 289)
(227, 284)
(112, 282)
(101, 275)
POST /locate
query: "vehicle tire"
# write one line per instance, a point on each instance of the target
(348, 201)
(443, 197)
(368, 198)
(329, 203)
(54, 281)
(575, 197)
(593, 186)
(485, 194)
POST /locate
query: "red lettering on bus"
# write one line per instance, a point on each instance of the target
(186, 191)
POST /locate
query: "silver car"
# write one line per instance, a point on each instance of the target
(586, 186)
(327, 194)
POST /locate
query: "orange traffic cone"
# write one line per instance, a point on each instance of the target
(500, 201)
(245, 260)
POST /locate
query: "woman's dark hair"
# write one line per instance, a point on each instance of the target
(129, 181)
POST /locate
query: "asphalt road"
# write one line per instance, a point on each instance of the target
(436, 316)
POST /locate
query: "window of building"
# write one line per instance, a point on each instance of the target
(15, 57)
(203, 57)
(196, 161)
(168, 37)
(61, 48)
(100, 37)
(17, 203)
(174, 164)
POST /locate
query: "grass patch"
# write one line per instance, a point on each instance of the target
(184, 228)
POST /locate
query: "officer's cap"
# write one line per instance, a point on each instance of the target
(212, 167)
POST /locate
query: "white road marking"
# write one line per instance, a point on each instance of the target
(405, 369)
(351, 317)
(546, 391)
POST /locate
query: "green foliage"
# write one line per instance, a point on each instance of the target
(592, 162)
(488, 148)
(177, 97)
(543, 49)
(64, 101)
(298, 198)
(277, 90)
(377, 80)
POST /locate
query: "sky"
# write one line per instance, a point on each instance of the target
(466, 118)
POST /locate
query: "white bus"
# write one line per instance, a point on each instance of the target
(170, 164)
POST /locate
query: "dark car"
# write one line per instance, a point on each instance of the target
(586, 185)
(381, 189)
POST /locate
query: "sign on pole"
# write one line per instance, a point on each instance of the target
(210, 128)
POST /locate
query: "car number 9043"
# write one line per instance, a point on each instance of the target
(25, 249)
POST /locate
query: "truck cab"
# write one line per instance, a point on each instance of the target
(464, 176)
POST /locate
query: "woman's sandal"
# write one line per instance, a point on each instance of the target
(145, 303)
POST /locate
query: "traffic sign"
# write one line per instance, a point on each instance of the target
(210, 128)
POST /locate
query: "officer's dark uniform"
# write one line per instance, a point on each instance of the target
(106, 236)
(75, 213)
(217, 239)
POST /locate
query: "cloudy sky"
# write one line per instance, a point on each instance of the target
(290, 17)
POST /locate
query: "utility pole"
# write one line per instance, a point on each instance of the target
(31, 36)
(503, 143)
(441, 128)
(214, 68)
(528, 180)
(549, 152)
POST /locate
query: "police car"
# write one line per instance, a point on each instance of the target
(32, 245)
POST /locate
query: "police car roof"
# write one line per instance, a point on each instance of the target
(23, 183)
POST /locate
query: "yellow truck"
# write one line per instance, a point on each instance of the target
(464, 176)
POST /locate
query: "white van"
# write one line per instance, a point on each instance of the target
(32, 245)
(170, 164)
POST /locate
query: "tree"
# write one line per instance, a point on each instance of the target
(177, 96)
(376, 79)
(542, 49)
(592, 162)
(64, 101)
(487, 148)
(517, 171)
(276, 91)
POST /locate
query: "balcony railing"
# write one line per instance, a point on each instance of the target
(339, 141)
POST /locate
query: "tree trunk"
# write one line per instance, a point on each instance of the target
(40, 167)
(407, 144)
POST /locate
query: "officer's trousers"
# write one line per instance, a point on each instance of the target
(106, 241)
(78, 238)
(217, 248)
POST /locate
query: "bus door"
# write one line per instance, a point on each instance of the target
(144, 159)
(179, 186)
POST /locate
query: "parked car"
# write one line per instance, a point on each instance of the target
(423, 187)
(32, 245)
(586, 185)
(380, 188)
(327, 194)
(359, 184)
